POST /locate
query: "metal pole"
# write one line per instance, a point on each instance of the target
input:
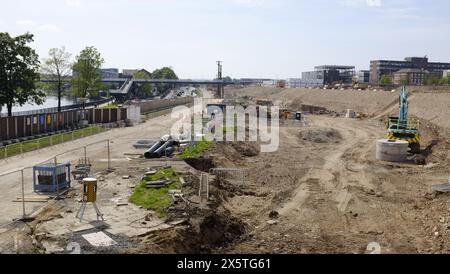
(23, 197)
(85, 155)
(57, 180)
(109, 157)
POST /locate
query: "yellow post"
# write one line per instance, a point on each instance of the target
(89, 190)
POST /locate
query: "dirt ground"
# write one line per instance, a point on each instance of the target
(334, 197)
(322, 191)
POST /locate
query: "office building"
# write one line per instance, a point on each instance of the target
(379, 68)
(325, 75)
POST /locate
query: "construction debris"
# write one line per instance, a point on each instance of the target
(99, 239)
(32, 199)
(443, 188)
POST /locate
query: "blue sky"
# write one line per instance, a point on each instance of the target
(254, 38)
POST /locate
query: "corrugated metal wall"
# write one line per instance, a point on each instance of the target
(23, 126)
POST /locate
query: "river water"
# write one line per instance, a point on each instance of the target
(50, 102)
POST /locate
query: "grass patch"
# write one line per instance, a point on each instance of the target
(156, 199)
(32, 145)
(196, 150)
(110, 106)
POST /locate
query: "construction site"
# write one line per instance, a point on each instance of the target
(351, 172)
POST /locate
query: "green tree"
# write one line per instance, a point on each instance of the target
(144, 90)
(87, 79)
(228, 79)
(432, 80)
(385, 80)
(445, 81)
(19, 65)
(165, 73)
(56, 69)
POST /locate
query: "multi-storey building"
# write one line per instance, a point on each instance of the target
(379, 68)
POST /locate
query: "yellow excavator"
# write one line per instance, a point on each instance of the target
(404, 128)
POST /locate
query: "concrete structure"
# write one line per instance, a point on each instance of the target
(324, 75)
(392, 151)
(409, 77)
(389, 67)
(363, 76)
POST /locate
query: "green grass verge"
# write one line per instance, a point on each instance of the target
(155, 199)
(31, 145)
(196, 150)
(112, 106)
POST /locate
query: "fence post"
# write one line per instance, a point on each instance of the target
(21, 147)
(23, 197)
(85, 154)
(62, 138)
(57, 179)
(109, 157)
(72, 135)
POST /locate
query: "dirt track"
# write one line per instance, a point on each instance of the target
(335, 197)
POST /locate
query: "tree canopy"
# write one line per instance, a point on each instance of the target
(57, 68)
(86, 79)
(19, 66)
(166, 73)
(144, 90)
(386, 80)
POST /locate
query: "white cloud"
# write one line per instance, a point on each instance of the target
(73, 3)
(373, 3)
(26, 23)
(48, 27)
(252, 3)
(355, 3)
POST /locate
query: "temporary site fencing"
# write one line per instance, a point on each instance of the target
(19, 201)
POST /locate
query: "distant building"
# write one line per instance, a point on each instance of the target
(128, 73)
(379, 68)
(363, 76)
(409, 77)
(252, 81)
(109, 73)
(446, 74)
(294, 83)
(269, 83)
(325, 75)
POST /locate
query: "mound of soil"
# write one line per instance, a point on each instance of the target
(321, 136)
(247, 149)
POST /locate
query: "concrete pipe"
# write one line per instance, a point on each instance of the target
(160, 152)
(149, 153)
(392, 151)
(169, 151)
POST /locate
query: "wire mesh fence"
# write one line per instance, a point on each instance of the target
(19, 197)
(31, 145)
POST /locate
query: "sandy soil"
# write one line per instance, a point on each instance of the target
(323, 191)
(336, 198)
(431, 105)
